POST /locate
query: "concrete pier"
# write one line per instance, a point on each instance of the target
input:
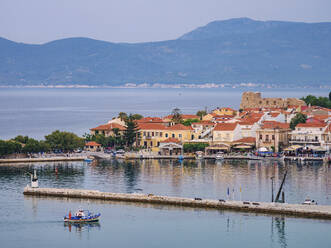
(305, 211)
(51, 159)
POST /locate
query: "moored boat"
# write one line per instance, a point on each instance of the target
(82, 216)
(219, 156)
(308, 201)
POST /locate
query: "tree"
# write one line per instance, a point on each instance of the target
(65, 141)
(176, 115)
(317, 101)
(131, 131)
(21, 139)
(32, 146)
(194, 147)
(123, 116)
(137, 116)
(188, 122)
(9, 147)
(298, 118)
(201, 113)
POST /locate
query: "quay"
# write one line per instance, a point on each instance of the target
(51, 159)
(298, 210)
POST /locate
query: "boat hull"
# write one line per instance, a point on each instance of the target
(94, 218)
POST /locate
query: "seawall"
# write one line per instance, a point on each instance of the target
(305, 211)
(29, 160)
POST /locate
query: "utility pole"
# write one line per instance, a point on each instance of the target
(272, 189)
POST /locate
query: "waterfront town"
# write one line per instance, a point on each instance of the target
(265, 126)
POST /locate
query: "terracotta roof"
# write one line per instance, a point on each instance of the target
(225, 116)
(183, 117)
(248, 121)
(150, 120)
(203, 123)
(151, 126)
(227, 108)
(312, 124)
(225, 126)
(170, 140)
(275, 124)
(108, 127)
(321, 117)
(274, 114)
(92, 143)
(179, 127)
(246, 140)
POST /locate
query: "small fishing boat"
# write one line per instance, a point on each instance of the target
(82, 216)
(219, 156)
(308, 201)
(89, 159)
(199, 155)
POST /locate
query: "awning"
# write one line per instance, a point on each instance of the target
(217, 148)
(292, 148)
(319, 149)
(243, 146)
(263, 149)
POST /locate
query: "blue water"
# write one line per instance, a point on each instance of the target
(37, 112)
(28, 221)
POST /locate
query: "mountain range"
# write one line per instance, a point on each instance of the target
(238, 50)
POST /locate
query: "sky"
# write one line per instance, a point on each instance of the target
(41, 21)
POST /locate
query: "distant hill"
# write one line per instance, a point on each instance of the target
(232, 51)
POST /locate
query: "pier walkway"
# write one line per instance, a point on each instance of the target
(49, 159)
(305, 211)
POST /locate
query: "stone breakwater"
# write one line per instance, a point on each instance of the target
(305, 211)
(52, 159)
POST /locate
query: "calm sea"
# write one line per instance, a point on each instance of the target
(37, 112)
(37, 222)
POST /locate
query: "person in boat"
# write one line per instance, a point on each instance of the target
(80, 213)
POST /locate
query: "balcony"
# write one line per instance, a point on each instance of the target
(304, 141)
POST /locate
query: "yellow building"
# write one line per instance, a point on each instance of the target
(107, 129)
(152, 134)
(224, 111)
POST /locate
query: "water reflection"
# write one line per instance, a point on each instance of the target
(82, 227)
(278, 226)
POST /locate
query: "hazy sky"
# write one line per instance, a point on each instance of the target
(40, 21)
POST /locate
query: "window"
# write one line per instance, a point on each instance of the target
(151, 143)
(192, 137)
(152, 134)
(267, 137)
(145, 143)
(173, 135)
(145, 134)
(180, 135)
(273, 137)
(158, 143)
(274, 102)
(166, 135)
(148, 134)
(260, 136)
(160, 134)
(156, 133)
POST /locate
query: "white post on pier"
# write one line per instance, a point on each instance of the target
(34, 180)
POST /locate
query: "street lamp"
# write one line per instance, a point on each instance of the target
(272, 189)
